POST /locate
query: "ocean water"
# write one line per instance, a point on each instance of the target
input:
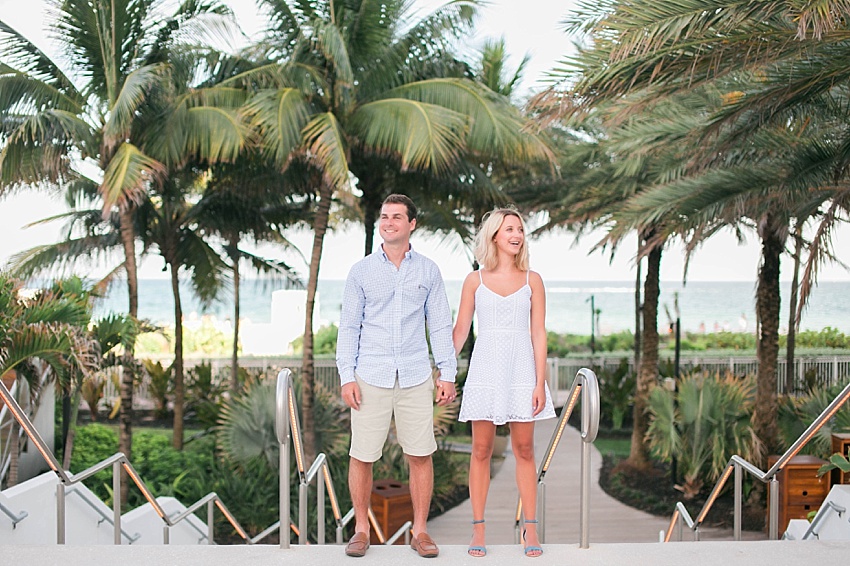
(702, 305)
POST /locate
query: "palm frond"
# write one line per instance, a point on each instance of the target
(424, 136)
(132, 94)
(325, 142)
(125, 177)
(496, 127)
(279, 117)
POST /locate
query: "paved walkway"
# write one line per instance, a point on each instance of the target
(610, 520)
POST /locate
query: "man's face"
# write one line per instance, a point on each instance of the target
(394, 226)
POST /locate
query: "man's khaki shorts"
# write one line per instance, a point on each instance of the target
(413, 408)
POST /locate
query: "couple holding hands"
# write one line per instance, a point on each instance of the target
(385, 369)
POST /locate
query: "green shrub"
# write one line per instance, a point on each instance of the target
(797, 413)
(616, 393)
(703, 424)
(324, 341)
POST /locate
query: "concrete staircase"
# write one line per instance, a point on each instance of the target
(88, 520)
(761, 553)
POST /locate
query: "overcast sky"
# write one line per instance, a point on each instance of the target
(528, 27)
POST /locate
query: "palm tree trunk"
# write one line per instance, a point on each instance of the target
(125, 413)
(320, 226)
(767, 306)
(72, 430)
(638, 308)
(233, 252)
(648, 370)
(14, 454)
(792, 317)
(370, 216)
(179, 391)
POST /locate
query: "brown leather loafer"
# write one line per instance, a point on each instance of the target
(425, 546)
(357, 545)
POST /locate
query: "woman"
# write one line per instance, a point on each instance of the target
(506, 381)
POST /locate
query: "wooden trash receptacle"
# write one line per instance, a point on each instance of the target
(392, 506)
(841, 445)
(801, 491)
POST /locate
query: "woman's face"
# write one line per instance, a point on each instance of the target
(510, 237)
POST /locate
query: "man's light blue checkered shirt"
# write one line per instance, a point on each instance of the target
(382, 322)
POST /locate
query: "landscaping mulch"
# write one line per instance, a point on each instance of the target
(652, 491)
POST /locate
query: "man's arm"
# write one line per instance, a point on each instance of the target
(350, 322)
(439, 318)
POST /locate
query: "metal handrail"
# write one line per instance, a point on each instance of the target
(738, 465)
(102, 513)
(288, 431)
(5, 450)
(117, 461)
(15, 518)
(831, 507)
(586, 384)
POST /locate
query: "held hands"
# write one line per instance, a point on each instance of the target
(446, 393)
(351, 395)
(538, 399)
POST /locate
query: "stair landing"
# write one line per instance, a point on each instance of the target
(750, 553)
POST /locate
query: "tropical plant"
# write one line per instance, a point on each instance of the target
(778, 133)
(203, 394)
(246, 428)
(702, 425)
(796, 413)
(159, 387)
(347, 83)
(57, 122)
(616, 391)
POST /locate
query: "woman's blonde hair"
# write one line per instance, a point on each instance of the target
(485, 247)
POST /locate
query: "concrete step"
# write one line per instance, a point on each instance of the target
(750, 553)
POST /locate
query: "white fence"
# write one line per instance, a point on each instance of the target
(822, 370)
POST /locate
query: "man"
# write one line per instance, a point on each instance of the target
(385, 370)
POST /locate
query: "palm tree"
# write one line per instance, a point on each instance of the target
(53, 120)
(45, 328)
(774, 63)
(250, 199)
(347, 84)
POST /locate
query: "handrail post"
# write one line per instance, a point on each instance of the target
(210, 521)
(116, 501)
(541, 511)
(320, 509)
(283, 432)
(60, 513)
(302, 513)
(739, 489)
(166, 535)
(680, 523)
(773, 503)
(589, 429)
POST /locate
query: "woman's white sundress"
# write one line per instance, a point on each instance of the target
(501, 377)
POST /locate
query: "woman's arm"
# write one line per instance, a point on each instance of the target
(538, 339)
(465, 311)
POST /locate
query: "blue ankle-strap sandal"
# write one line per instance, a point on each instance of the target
(481, 549)
(533, 548)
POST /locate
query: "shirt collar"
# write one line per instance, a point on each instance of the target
(407, 255)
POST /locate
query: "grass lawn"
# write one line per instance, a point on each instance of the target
(617, 446)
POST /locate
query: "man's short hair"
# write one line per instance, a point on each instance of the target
(405, 200)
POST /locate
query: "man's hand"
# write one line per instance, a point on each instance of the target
(445, 392)
(351, 395)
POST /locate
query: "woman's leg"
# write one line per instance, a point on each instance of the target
(522, 443)
(483, 433)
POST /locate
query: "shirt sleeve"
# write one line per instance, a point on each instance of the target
(350, 322)
(439, 318)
